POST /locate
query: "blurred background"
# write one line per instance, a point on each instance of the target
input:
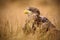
(12, 17)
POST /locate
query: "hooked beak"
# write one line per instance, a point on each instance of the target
(26, 11)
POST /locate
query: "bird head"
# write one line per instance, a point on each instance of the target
(32, 12)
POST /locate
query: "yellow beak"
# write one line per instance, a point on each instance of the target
(26, 11)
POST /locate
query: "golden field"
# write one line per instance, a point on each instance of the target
(12, 18)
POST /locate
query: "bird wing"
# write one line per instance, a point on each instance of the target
(46, 24)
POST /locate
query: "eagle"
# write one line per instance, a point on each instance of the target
(39, 26)
(35, 22)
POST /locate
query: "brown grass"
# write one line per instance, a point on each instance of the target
(12, 19)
